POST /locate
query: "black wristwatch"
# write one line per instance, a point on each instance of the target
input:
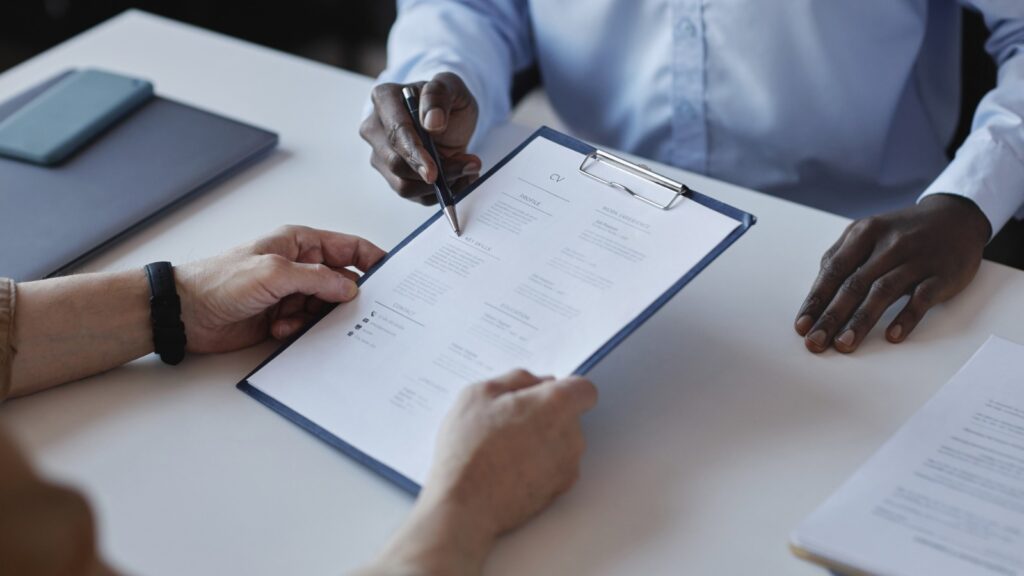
(165, 313)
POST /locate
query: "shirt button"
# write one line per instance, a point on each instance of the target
(686, 28)
(684, 110)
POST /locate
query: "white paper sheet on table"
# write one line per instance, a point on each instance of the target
(945, 495)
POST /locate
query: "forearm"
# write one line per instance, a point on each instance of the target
(73, 327)
(989, 166)
(437, 539)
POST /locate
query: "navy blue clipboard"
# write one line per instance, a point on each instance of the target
(744, 219)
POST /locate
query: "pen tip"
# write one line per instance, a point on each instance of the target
(453, 219)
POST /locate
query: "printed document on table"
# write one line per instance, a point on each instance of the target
(550, 267)
(945, 495)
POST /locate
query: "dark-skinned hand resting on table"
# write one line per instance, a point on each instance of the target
(930, 251)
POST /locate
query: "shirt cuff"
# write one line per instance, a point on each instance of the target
(8, 291)
(989, 173)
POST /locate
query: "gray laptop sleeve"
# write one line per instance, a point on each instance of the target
(158, 156)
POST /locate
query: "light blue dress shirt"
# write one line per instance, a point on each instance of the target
(846, 105)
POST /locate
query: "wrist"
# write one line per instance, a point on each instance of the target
(185, 283)
(976, 222)
(441, 537)
(165, 313)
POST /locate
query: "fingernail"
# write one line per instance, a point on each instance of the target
(471, 169)
(434, 120)
(803, 324)
(895, 332)
(351, 289)
(422, 170)
(818, 338)
(846, 338)
(282, 330)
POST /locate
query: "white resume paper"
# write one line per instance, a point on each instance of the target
(945, 495)
(550, 267)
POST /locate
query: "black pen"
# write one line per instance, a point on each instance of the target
(444, 193)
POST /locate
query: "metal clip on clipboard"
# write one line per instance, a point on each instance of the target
(678, 189)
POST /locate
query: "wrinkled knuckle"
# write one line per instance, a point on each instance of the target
(293, 229)
(925, 296)
(826, 257)
(282, 230)
(855, 285)
(832, 268)
(884, 288)
(381, 92)
(273, 263)
(393, 133)
(866, 226)
(853, 227)
(829, 254)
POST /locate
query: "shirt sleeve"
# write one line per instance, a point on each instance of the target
(989, 166)
(484, 42)
(7, 294)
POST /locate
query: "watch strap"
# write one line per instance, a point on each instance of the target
(165, 313)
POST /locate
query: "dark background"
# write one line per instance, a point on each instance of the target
(346, 33)
(352, 34)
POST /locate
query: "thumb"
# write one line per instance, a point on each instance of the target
(574, 394)
(462, 166)
(437, 98)
(511, 382)
(317, 280)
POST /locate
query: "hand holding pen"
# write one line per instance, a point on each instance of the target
(444, 194)
(448, 112)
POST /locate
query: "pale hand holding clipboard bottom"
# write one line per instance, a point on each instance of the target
(556, 266)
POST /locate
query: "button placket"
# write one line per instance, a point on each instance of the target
(689, 148)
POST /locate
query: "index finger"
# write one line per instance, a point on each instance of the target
(343, 250)
(313, 246)
(576, 393)
(838, 262)
(401, 134)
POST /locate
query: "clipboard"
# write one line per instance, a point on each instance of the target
(626, 173)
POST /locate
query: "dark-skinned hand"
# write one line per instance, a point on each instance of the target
(930, 251)
(448, 111)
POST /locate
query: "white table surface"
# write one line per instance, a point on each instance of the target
(716, 431)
